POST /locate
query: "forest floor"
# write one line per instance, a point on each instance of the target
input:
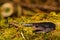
(10, 32)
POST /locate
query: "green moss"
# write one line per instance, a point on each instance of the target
(13, 33)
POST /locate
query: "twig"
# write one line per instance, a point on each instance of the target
(14, 24)
(23, 36)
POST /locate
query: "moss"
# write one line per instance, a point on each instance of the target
(14, 33)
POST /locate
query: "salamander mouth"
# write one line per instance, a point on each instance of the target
(37, 30)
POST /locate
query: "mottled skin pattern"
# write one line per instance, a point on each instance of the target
(42, 26)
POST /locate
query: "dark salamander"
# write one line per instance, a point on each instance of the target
(42, 26)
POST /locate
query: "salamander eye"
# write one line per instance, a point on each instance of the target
(36, 26)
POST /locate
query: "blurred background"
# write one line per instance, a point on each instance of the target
(28, 11)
